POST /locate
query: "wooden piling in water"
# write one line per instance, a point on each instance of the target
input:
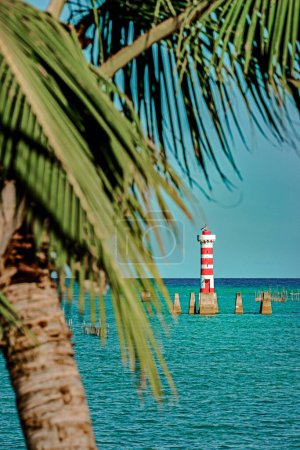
(238, 304)
(176, 305)
(192, 304)
(95, 330)
(265, 304)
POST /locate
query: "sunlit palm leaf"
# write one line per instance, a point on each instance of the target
(82, 165)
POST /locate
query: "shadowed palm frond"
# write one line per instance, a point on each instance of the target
(10, 317)
(181, 83)
(87, 172)
(8, 313)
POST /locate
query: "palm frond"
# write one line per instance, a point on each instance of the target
(9, 315)
(183, 84)
(87, 171)
(7, 312)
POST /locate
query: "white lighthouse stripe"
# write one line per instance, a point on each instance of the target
(207, 245)
(206, 277)
(207, 266)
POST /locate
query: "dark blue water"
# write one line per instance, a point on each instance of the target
(237, 378)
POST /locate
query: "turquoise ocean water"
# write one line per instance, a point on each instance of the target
(237, 378)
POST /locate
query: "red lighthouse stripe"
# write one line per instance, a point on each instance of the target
(207, 260)
(208, 251)
(207, 271)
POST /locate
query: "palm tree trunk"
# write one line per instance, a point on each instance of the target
(50, 397)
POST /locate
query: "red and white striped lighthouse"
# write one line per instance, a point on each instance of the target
(207, 261)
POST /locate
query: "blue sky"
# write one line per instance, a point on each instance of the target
(258, 224)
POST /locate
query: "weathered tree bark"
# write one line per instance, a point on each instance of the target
(50, 397)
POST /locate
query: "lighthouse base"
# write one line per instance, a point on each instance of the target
(208, 304)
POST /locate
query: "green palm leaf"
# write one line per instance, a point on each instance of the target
(7, 312)
(222, 49)
(87, 172)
